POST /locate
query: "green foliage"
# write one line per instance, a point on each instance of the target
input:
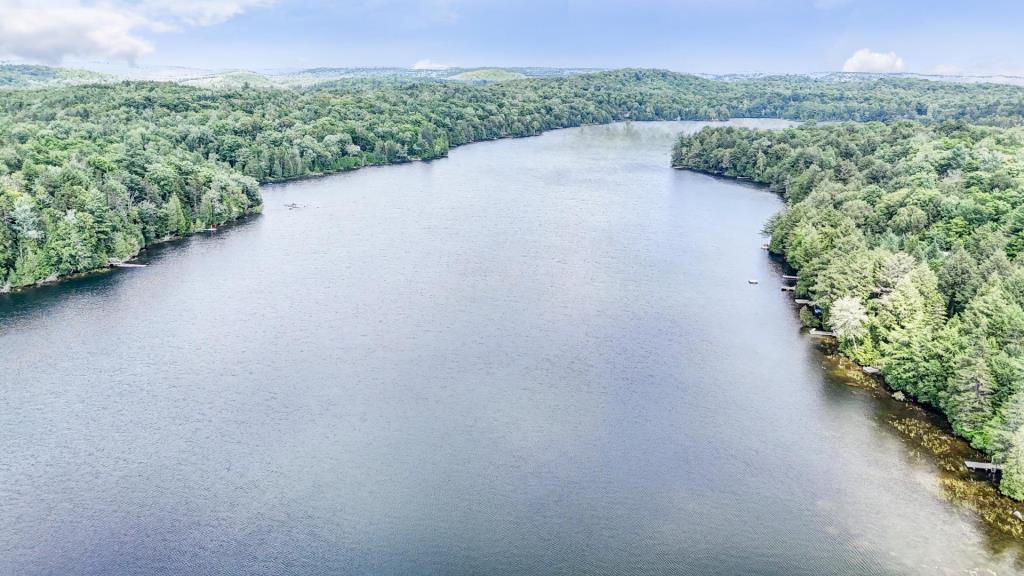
(808, 319)
(848, 318)
(109, 168)
(487, 75)
(922, 223)
(30, 76)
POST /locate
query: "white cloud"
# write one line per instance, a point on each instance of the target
(429, 65)
(864, 60)
(50, 30)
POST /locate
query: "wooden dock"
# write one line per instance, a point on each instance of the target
(802, 301)
(126, 265)
(822, 333)
(871, 370)
(983, 466)
(789, 277)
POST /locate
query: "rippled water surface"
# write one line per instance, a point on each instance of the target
(538, 356)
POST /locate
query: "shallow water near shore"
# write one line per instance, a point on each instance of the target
(538, 356)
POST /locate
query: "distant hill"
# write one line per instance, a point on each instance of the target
(230, 79)
(31, 76)
(869, 77)
(22, 76)
(315, 76)
(487, 75)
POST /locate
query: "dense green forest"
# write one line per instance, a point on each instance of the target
(92, 173)
(32, 76)
(909, 240)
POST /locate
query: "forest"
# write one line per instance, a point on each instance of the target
(90, 174)
(909, 242)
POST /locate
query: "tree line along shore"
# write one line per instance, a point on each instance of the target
(91, 174)
(908, 238)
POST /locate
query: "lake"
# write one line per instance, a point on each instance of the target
(537, 356)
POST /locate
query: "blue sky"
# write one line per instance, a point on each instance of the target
(687, 35)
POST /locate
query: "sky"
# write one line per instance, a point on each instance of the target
(974, 37)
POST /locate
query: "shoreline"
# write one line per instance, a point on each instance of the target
(928, 434)
(311, 176)
(111, 265)
(318, 175)
(927, 428)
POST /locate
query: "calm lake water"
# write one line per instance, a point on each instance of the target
(538, 356)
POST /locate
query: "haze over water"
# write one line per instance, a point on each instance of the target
(535, 356)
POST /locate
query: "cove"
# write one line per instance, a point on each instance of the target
(536, 356)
